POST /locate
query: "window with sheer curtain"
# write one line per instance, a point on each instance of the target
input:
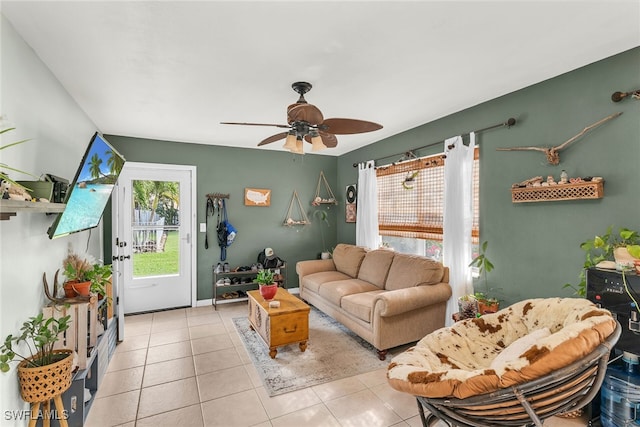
(411, 204)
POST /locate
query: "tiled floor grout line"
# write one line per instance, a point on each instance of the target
(370, 384)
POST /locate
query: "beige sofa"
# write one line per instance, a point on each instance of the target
(387, 298)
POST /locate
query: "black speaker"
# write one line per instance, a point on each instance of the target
(351, 193)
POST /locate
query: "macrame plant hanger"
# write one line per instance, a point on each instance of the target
(318, 199)
(289, 220)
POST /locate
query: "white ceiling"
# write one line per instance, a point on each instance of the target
(173, 70)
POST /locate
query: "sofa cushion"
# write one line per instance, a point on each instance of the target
(360, 305)
(348, 258)
(375, 267)
(313, 282)
(334, 291)
(413, 270)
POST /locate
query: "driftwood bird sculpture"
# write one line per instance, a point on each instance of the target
(553, 153)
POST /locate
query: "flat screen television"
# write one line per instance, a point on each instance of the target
(90, 190)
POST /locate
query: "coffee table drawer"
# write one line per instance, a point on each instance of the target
(289, 328)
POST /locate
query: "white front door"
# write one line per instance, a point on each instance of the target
(154, 252)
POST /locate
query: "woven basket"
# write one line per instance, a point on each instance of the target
(43, 383)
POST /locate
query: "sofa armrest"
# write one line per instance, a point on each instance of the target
(304, 268)
(391, 303)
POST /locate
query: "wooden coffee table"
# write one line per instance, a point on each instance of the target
(280, 326)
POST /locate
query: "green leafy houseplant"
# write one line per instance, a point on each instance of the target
(99, 277)
(39, 335)
(324, 217)
(4, 166)
(76, 268)
(264, 277)
(602, 248)
(484, 266)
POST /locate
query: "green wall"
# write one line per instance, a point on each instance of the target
(231, 170)
(535, 246)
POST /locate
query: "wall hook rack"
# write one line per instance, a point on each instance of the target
(217, 196)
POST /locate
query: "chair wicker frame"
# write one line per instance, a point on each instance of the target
(561, 391)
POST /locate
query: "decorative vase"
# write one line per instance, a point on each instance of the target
(268, 291)
(82, 288)
(43, 383)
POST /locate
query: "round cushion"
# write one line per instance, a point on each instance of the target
(547, 334)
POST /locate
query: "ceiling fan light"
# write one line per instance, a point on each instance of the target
(290, 142)
(317, 144)
(298, 148)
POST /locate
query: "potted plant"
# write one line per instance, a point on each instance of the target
(77, 270)
(99, 277)
(617, 250)
(44, 373)
(267, 286)
(486, 302)
(323, 216)
(3, 166)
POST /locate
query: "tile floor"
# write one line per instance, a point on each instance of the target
(188, 367)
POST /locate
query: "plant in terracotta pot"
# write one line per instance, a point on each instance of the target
(77, 270)
(268, 287)
(609, 250)
(486, 302)
(44, 373)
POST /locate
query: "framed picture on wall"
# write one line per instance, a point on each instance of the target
(350, 212)
(351, 196)
(257, 197)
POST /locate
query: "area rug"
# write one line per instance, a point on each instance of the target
(333, 352)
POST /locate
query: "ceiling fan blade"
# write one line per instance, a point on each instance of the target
(304, 113)
(348, 126)
(273, 138)
(328, 139)
(255, 124)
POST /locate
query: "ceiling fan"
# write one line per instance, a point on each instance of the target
(305, 121)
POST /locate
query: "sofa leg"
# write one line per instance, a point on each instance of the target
(382, 354)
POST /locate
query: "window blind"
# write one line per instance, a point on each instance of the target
(411, 198)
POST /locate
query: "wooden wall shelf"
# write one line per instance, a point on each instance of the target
(552, 193)
(9, 208)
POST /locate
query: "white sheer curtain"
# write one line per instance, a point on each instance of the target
(367, 212)
(458, 218)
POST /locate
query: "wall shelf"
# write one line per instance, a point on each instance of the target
(9, 208)
(552, 193)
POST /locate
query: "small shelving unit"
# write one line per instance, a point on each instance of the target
(552, 193)
(9, 208)
(98, 355)
(250, 284)
(329, 198)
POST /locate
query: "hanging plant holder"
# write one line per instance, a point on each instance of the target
(302, 216)
(409, 180)
(329, 199)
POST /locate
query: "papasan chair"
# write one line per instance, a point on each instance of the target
(528, 362)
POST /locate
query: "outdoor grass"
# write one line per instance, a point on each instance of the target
(158, 263)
